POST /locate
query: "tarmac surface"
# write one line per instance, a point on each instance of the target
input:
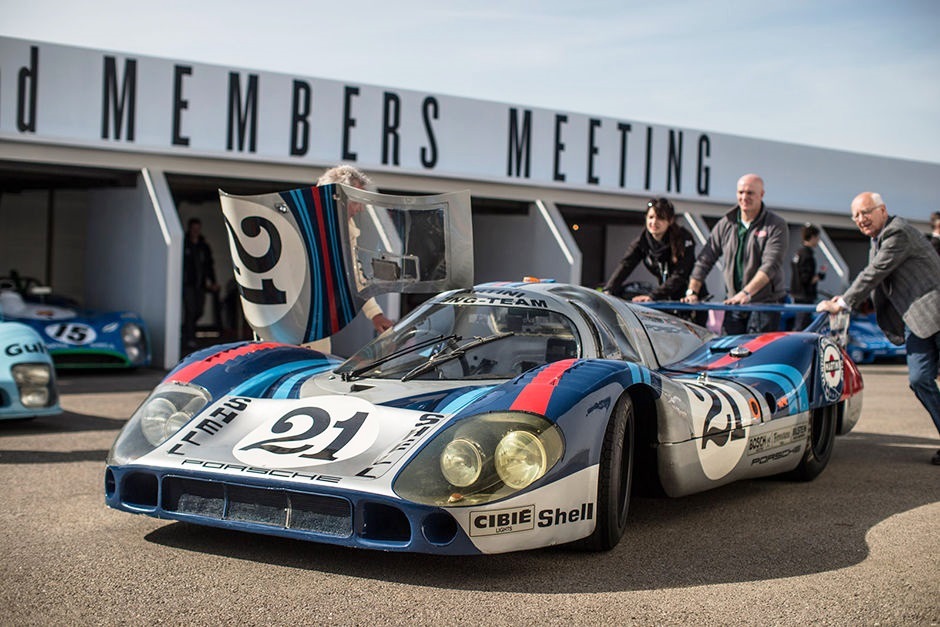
(857, 546)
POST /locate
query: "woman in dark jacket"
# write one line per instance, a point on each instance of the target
(665, 248)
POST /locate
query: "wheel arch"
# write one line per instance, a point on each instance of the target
(646, 440)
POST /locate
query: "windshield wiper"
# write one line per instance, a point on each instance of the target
(459, 351)
(358, 372)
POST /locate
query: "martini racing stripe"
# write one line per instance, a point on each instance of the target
(753, 345)
(288, 386)
(464, 399)
(187, 374)
(316, 214)
(534, 397)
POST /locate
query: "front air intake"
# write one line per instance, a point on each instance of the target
(277, 508)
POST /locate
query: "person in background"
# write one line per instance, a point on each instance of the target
(198, 279)
(934, 235)
(903, 279)
(353, 177)
(753, 241)
(666, 249)
(804, 278)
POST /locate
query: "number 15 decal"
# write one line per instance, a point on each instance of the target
(307, 436)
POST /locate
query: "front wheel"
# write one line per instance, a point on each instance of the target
(615, 479)
(822, 437)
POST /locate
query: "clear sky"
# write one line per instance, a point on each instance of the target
(856, 75)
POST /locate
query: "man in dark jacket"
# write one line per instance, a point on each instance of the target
(198, 278)
(804, 278)
(753, 241)
(903, 279)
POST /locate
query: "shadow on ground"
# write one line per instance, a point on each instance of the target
(749, 531)
(102, 381)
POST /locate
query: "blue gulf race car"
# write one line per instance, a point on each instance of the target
(27, 377)
(75, 337)
(494, 418)
(868, 343)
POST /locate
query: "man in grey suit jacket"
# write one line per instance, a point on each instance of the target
(903, 279)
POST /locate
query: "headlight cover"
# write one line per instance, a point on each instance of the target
(35, 384)
(481, 459)
(131, 333)
(135, 341)
(168, 408)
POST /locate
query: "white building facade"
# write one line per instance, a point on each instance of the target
(105, 155)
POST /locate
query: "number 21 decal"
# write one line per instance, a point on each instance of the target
(307, 436)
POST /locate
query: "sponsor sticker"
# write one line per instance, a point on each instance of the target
(830, 369)
(74, 333)
(494, 522)
(322, 431)
(774, 439)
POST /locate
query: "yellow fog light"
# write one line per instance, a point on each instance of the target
(520, 459)
(461, 462)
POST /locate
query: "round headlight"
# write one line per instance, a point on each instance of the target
(520, 459)
(153, 420)
(461, 462)
(131, 333)
(133, 353)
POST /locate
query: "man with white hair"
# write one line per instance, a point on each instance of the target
(353, 177)
(903, 279)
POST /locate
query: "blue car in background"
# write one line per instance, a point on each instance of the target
(868, 343)
(27, 376)
(74, 337)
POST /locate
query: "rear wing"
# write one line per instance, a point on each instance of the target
(834, 325)
(307, 259)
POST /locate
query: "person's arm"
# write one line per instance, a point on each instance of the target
(675, 284)
(756, 284)
(631, 258)
(895, 248)
(705, 261)
(374, 313)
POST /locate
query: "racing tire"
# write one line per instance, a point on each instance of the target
(822, 436)
(615, 479)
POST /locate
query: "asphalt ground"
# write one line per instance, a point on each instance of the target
(857, 546)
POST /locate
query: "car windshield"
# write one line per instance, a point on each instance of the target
(466, 342)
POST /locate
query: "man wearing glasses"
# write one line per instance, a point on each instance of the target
(903, 279)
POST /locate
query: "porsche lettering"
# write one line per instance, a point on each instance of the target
(772, 457)
(254, 470)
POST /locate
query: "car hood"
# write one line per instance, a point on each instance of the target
(325, 438)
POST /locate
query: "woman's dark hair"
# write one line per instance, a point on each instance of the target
(809, 230)
(665, 211)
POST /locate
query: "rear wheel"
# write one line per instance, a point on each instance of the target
(822, 436)
(615, 479)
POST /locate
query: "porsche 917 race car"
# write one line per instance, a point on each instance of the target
(75, 338)
(494, 418)
(27, 378)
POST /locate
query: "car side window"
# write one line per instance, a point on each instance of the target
(672, 338)
(611, 337)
